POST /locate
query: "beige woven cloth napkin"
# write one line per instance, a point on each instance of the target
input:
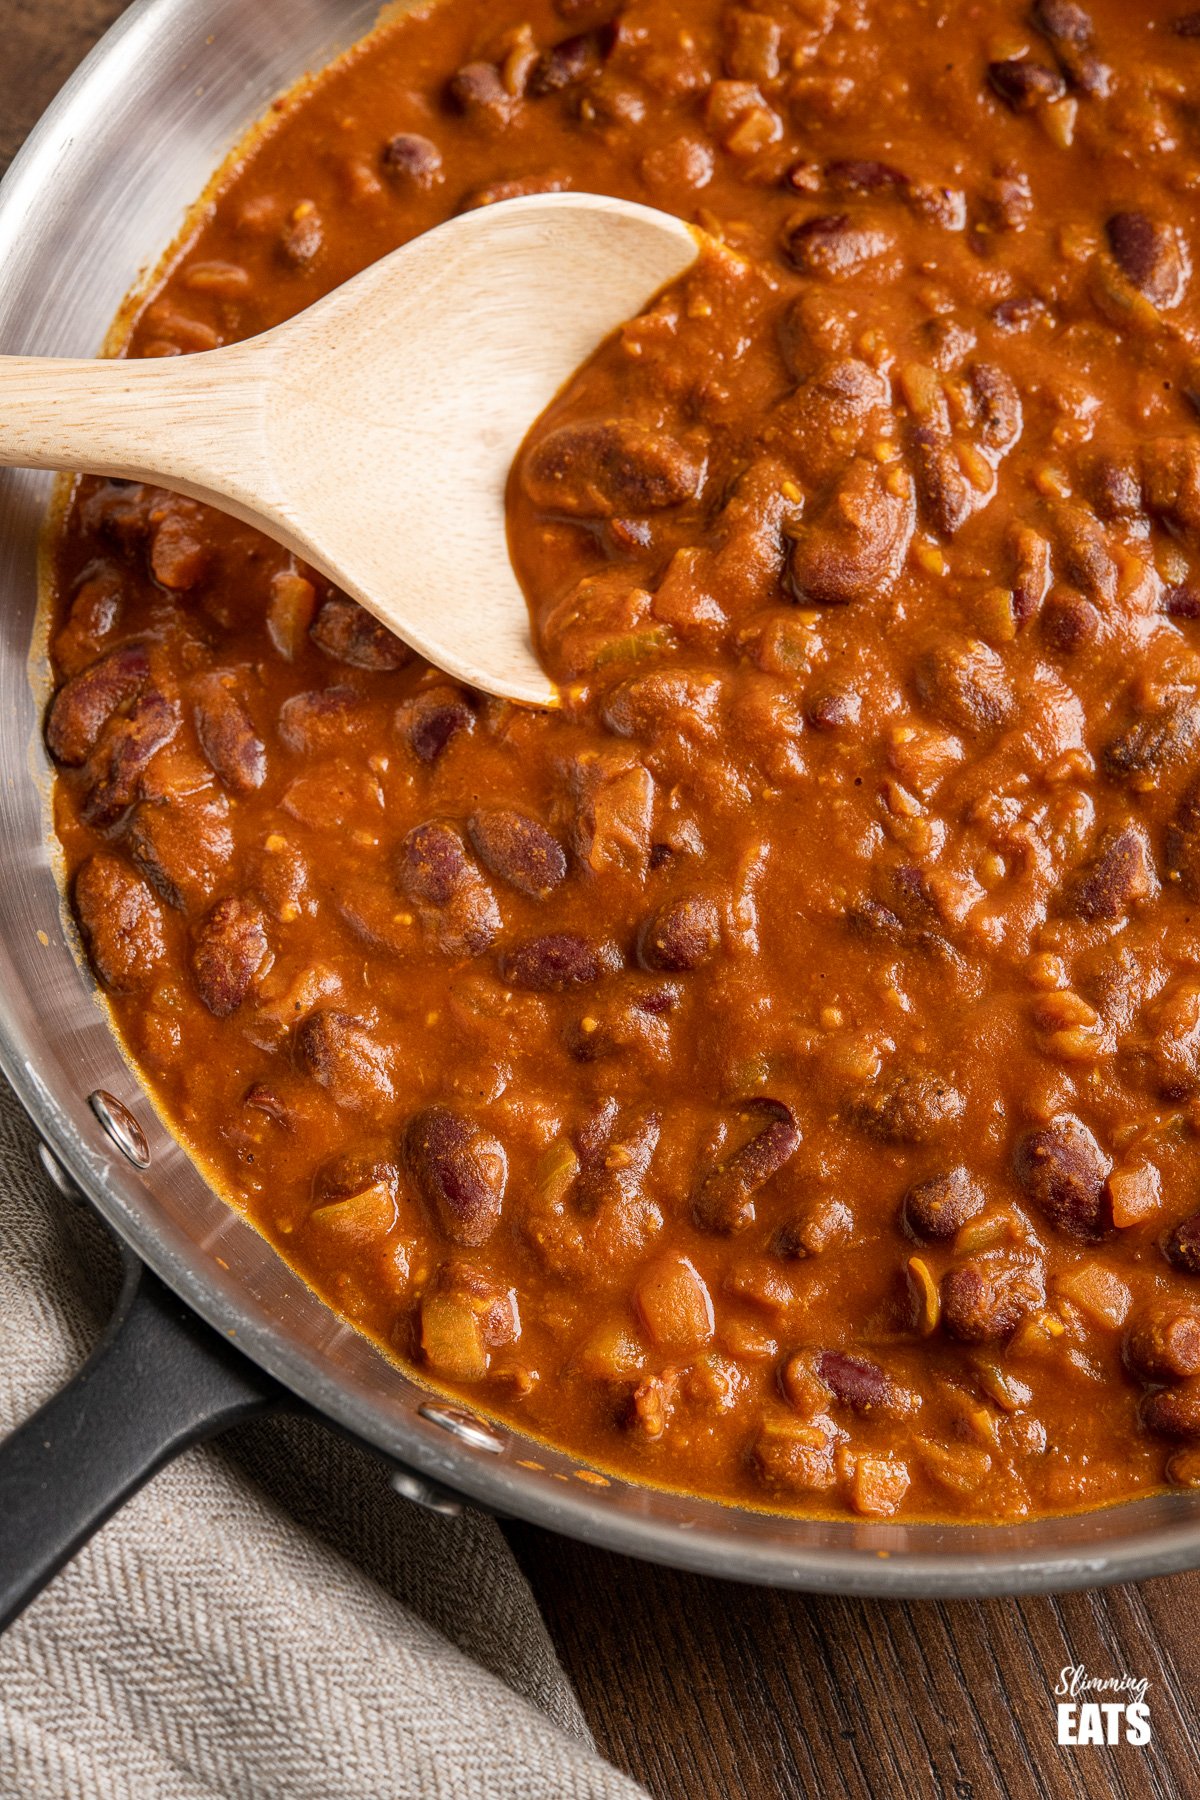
(266, 1620)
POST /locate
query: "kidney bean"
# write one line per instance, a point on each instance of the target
(412, 160)
(648, 1408)
(433, 863)
(1007, 204)
(1181, 600)
(945, 207)
(1120, 877)
(182, 850)
(681, 702)
(1023, 84)
(997, 405)
(120, 922)
(862, 1385)
(431, 719)
(353, 1172)
(945, 498)
(319, 720)
(615, 1149)
(723, 1200)
(1182, 847)
(611, 468)
(302, 237)
(1160, 741)
(628, 1025)
(863, 175)
(834, 709)
(871, 918)
(660, 999)
(591, 1252)
(936, 1207)
(1162, 1341)
(1018, 312)
(1187, 25)
(1069, 622)
(260, 1098)
(982, 1304)
(477, 91)
(84, 704)
(1170, 1043)
(229, 949)
(594, 1133)
(838, 411)
(457, 905)
(558, 960)
(570, 62)
(460, 1171)
(1114, 488)
(1063, 21)
(95, 610)
(348, 633)
(821, 1225)
(1174, 1412)
(614, 795)
(845, 395)
(912, 897)
(494, 193)
(1071, 33)
(805, 177)
(833, 246)
(1085, 555)
(120, 511)
(949, 340)
(518, 850)
(339, 1052)
(1062, 1170)
(1148, 253)
(128, 745)
(682, 934)
(908, 1106)
(227, 736)
(855, 542)
(1181, 1246)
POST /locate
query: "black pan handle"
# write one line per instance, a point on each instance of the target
(159, 1380)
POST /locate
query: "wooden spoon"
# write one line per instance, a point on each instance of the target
(373, 434)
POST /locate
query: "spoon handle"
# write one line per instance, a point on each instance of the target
(192, 422)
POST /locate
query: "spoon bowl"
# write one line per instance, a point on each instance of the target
(373, 434)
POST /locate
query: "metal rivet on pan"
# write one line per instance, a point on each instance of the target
(425, 1493)
(121, 1127)
(57, 1173)
(463, 1425)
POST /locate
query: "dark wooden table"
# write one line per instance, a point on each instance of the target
(703, 1689)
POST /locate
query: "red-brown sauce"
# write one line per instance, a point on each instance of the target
(777, 1073)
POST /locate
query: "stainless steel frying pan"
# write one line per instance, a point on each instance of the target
(105, 180)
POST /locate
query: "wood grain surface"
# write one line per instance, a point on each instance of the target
(701, 1688)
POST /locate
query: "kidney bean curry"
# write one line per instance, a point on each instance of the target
(775, 1074)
